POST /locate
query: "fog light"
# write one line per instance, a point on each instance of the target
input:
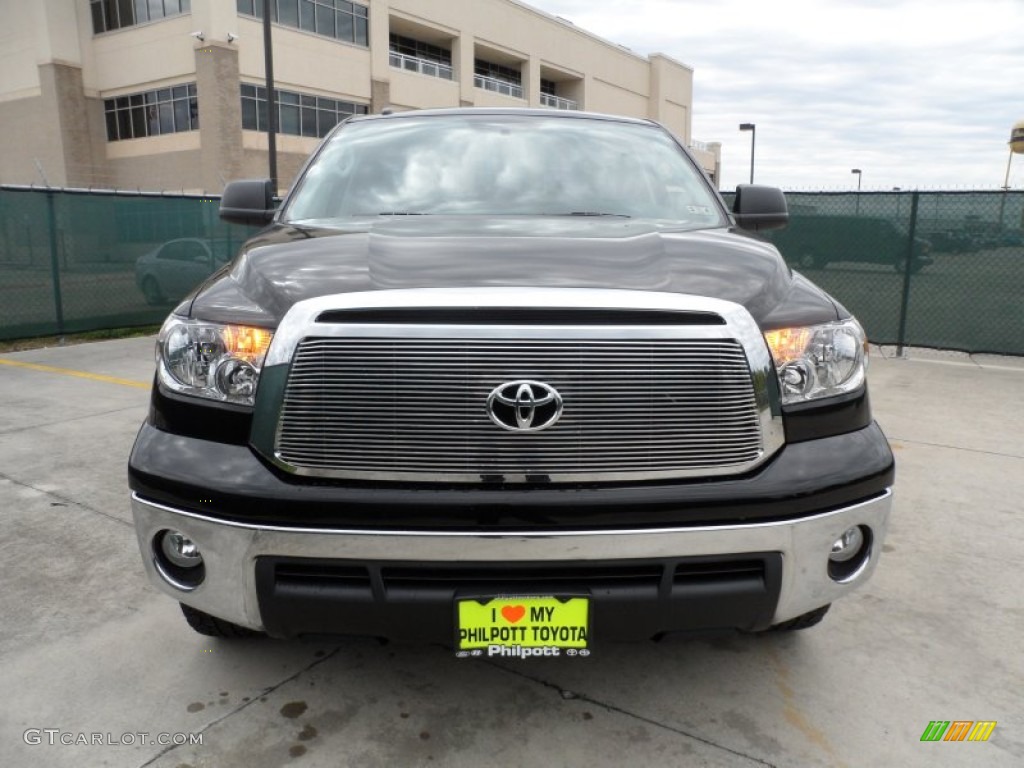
(177, 559)
(850, 554)
(847, 546)
(181, 550)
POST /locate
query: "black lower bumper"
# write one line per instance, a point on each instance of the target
(630, 600)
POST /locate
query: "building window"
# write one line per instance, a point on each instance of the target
(417, 56)
(297, 113)
(495, 77)
(338, 19)
(114, 14)
(547, 86)
(153, 113)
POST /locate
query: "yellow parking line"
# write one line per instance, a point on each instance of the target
(79, 374)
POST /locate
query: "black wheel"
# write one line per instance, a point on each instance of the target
(211, 626)
(151, 290)
(901, 265)
(805, 621)
(808, 261)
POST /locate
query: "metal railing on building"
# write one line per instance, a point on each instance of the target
(557, 102)
(498, 86)
(422, 66)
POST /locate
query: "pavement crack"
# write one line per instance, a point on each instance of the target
(30, 427)
(574, 696)
(266, 691)
(982, 451)
(66, 500)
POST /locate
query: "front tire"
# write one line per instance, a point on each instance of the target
(804, 621)
(211, 626)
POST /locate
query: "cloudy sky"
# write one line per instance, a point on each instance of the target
(915, 93)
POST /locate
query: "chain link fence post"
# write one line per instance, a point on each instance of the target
(908, 266)
(58, 299)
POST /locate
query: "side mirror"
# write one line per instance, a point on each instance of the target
(250, 201)
(758, 207)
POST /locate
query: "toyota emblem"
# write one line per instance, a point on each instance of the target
(524, 406)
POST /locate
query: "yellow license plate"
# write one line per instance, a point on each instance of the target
(518, 623)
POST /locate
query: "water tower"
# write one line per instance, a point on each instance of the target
(1016, 148)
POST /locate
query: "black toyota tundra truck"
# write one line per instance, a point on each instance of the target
(515, 381)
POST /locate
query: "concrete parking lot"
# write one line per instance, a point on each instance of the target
(88, 648)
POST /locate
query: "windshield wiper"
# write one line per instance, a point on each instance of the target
(594, 213)
(568, 213)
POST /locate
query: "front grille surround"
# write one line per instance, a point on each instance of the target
(406, 403)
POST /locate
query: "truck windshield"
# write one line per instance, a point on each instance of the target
(504, 165)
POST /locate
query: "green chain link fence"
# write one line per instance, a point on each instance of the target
(73, 261)
(929, 269)
(925, 269)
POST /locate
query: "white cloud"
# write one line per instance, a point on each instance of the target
(916, 93)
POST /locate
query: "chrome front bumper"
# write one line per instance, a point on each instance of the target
(230, 551)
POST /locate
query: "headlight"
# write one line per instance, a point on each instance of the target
(220, 362)
(819, 360)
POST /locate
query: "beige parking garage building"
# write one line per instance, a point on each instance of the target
(169, 94)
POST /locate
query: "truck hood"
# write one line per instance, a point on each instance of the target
(286, 264)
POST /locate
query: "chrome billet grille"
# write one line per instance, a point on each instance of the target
(391, 408)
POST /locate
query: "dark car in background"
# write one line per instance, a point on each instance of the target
(813, 241)
(1011, 238)
(952, 241)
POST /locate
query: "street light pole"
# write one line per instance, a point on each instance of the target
(268, 63)
(859, 175)
(753, 137)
